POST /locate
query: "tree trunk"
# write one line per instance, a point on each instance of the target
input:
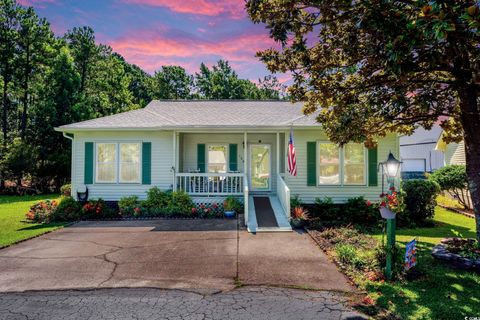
(470, 117)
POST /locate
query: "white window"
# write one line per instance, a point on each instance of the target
(341, 166)
(106, 162)
(354, 164)
(217, 158)
(129, 163)
(329, 164)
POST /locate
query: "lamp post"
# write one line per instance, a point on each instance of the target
(390, 168)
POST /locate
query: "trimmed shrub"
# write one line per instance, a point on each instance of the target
(325, 209)
(181, 203)
(419, 201)
(157, 198)
(67, 210)
(97, 209)
(130, 206)
(358, 210)
(41, 212)
(454, 179)
(66, 190)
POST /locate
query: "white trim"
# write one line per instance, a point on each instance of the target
(227, 158)
(115, 163)
(139, 165)
(117, 144)
(250, 166)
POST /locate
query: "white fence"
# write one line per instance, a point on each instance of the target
(211, 184)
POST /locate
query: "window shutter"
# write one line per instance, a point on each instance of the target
(88, 163)
(201, 157)
(373, 167)
(146, 163)
(233, 157)
(311, 163)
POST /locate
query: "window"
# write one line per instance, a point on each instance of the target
(217, 158)
(341, 166)
(117, 163)
(354, 164)
(106, 162)
(129, 162)
(329, 164)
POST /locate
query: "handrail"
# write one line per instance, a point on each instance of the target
(210, 184)
(245, 199)
(283, 193)
(208, 174)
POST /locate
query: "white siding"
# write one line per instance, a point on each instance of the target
(298, 185)
(455, 153)
(162, 162)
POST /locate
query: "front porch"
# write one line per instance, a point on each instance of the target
(248, 165)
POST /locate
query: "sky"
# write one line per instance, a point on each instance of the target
(153, 33)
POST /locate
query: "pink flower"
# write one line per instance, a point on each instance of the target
(194, 210)
(368, 203)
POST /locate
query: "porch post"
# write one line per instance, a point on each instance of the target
(245, 153)
(174, 163)
(278, 153)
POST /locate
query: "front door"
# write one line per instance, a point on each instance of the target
(260, 167)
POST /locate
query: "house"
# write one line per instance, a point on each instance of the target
(211, 149)
(418, 153)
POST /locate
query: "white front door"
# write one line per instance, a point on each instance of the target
(260, 167)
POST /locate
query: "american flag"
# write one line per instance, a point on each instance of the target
(292, 158)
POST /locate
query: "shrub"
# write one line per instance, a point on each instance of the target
(67, 210)
(358, 210)
(66, 190)
(130, 206)
(157, 198)
(453, 178)
(97, 209)
(325, 209)
(207, 210)
(181, 203)
(295, 202)
(419, 201)
(232, 203)
(42, 211)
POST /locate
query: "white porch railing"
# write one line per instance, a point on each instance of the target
(245, 199)
(211, 184)
(283, 193)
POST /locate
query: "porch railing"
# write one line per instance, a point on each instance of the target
(283, 193)
(245, 199)
(211, 184)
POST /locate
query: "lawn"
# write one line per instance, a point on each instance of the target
(12, 219)
(443, 292)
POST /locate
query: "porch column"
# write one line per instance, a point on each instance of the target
(245, 153)
(174, 163)
(278, 153)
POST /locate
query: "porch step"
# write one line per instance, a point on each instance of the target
(280, 216)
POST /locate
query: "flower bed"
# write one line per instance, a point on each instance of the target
(458, 252)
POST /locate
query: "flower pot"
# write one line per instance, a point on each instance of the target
(387, 213)
(297, 223)
(229, 214)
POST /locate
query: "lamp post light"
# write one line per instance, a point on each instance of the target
(390, 168)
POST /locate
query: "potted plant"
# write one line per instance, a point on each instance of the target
(390, 204)
(299, 215)
(229, 206)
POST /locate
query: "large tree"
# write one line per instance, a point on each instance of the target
(373, 67)
(171, 82)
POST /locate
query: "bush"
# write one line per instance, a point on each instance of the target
(97, 209)
(130, 206)
(207, 210)
(232, 203)
(358, 210)
(419, 201)
(67, 210)
(158, 199)
(66, 190)
(295, 202)
(181, 203)
(42, 211)
(454, 179)
(325, 209)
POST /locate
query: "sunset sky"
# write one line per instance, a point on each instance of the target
(152, 33)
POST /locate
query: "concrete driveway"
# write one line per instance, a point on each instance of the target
(204, 256)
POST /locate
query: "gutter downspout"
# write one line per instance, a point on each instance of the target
(72, 167)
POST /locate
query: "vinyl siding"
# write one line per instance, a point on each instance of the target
(298, 185)
(455, 153)
(161, 163)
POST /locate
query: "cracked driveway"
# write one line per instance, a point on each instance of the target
(203, 256)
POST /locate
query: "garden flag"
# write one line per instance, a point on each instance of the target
(292, 159)
(411, 255)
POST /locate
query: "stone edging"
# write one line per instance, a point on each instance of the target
(440, 252)
(463, 213)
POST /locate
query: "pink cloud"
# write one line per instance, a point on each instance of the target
(35, 3)
(232, 8)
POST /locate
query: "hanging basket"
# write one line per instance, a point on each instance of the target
(387, 213)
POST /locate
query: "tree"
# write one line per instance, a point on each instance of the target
(453, 179)
(376, 67)
(271, 88)
(172, 82)
(221, 82)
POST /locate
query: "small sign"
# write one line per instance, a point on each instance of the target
(411, 255)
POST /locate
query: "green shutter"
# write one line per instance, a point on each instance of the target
(146, 163)
(311, 163)
(233, 157)
(373, 167)
(201, 157)
(88, 172)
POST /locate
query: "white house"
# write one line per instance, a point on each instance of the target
(212, 149)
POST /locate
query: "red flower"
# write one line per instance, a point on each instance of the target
(215, 205)
(137, 210)
(392, 189)
(194, 210)
(368, 203)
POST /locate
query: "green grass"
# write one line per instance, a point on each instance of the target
(443, 292)
(13, 226)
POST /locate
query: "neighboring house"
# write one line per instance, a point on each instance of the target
(211, 149)
(418, 153)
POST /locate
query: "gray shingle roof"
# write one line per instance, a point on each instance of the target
(201, 114)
